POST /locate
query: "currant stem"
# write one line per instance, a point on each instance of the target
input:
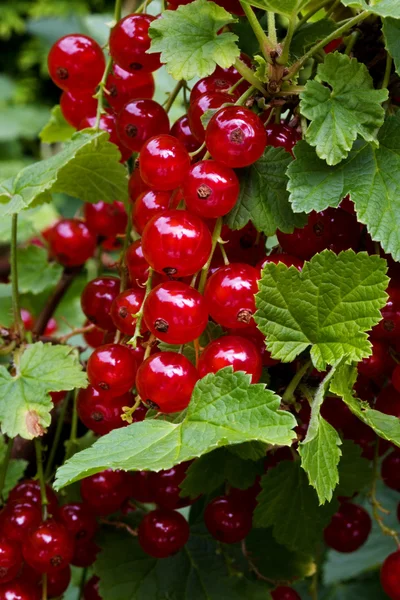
(128, 411)
(40, 476)
(312, 12)
(376, 505)
(127, 240)
(333, 36)
(57, 437)
(74, 429)
(82, 583)
(14, 278)
(242, 99)
(44, 586)
(388, 70)
(139, 316)
(224, 255)
(353, 37)
(4, 466)
(272, 28)
(284, 57)
(173, 95)
(287, 397)
(265, 43)
(248, 75)
(204, 272)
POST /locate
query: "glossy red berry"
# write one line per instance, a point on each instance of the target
(231, 350)
(96, 300)
(175, 312)
(163, 532)
(211, 84)
(208, 101)
(232, 6)
(166, 380)
(181, 130)
(284, 593)
(390, 575)
(137, 265)
(388, 329)
(27, 319)
(390, 470)
(229, 295)
(148, 204)
(235, 136)
(286, 259)
(227, 520)
(18, 590)
(76, 62)
(125, 305)
(123, 86)
(28, 491)
(163, 162)
(79, 521)
(176, 243)
(140, 487)
(112, 368)
(58, 582)
(396, 378)
(18, 519)
(136, 185)
(105, 492)
(85, 554)
(348, 529)
(210, 189)
(244, 245)
(281, 136)
(164, 487)
(388, 401)
(51, 327)
(333, 45)
(71, 243)
(99, 412)
(379, 364)
(97, 337)
(106, 219)
(49, 547)
(139, 120)
(108, 124)
(76, 106)
(10, 560)
(91, 590)
(129, 42)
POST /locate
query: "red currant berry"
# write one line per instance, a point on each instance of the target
(235, 136)
(136, 185)
(123, 86)
(244, 245)
(79, 521)
(148, 204)
(390, 470)
(176, 243)
(163, 162)
(379, 364)
(166, 380)
(27, 319)
(17, 520)
(137, 265)
(76, 106)
(231, 350)
(108, 124)
(17, 590)
(208, 101)
(229, 295)
(129, 42)
(175, 312)
(106, 219)
(28, 491)
(227, 521)
(51, 327)
(91, 591)
(281, 136)
(71, 243)
(388, 401)
(123, 309)
(396, 378)
(112, 368)
(284, 593)
(348, 529)
(210, 189)
(97, 298)
(163, 532)
(232, 72)
(141, 487)
(97, 337)
(164, 487)
(105, 492)
(246, 497)
(213, 83)
(10, 560)
(333, 45)
(58, 582)
(286, 259)
(85, 554)
(181, 130)
(140, 120)
(389, 328)
(48, 548)
(232, 6)
(76, 62)
(390, 575)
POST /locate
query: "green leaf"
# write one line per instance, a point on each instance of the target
(355, 472)
(211, 332)
(391, 33)
(275, 561)
(189, 42)
(329, 306)
(320, 453)
(15, 469)
(210, 471)
(386, 426)
(262, 69)
(225, 409)
(249, 450)
(57, 129)
(370, 175)
(289, 505)
(282, 7)
(347, 106)
(88, 168)
(383, 8)
(25, 403)
(309, 34)
(263, 197)
(35, 273)
(365, 589)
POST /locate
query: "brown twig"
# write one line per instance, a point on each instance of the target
(119, 525)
